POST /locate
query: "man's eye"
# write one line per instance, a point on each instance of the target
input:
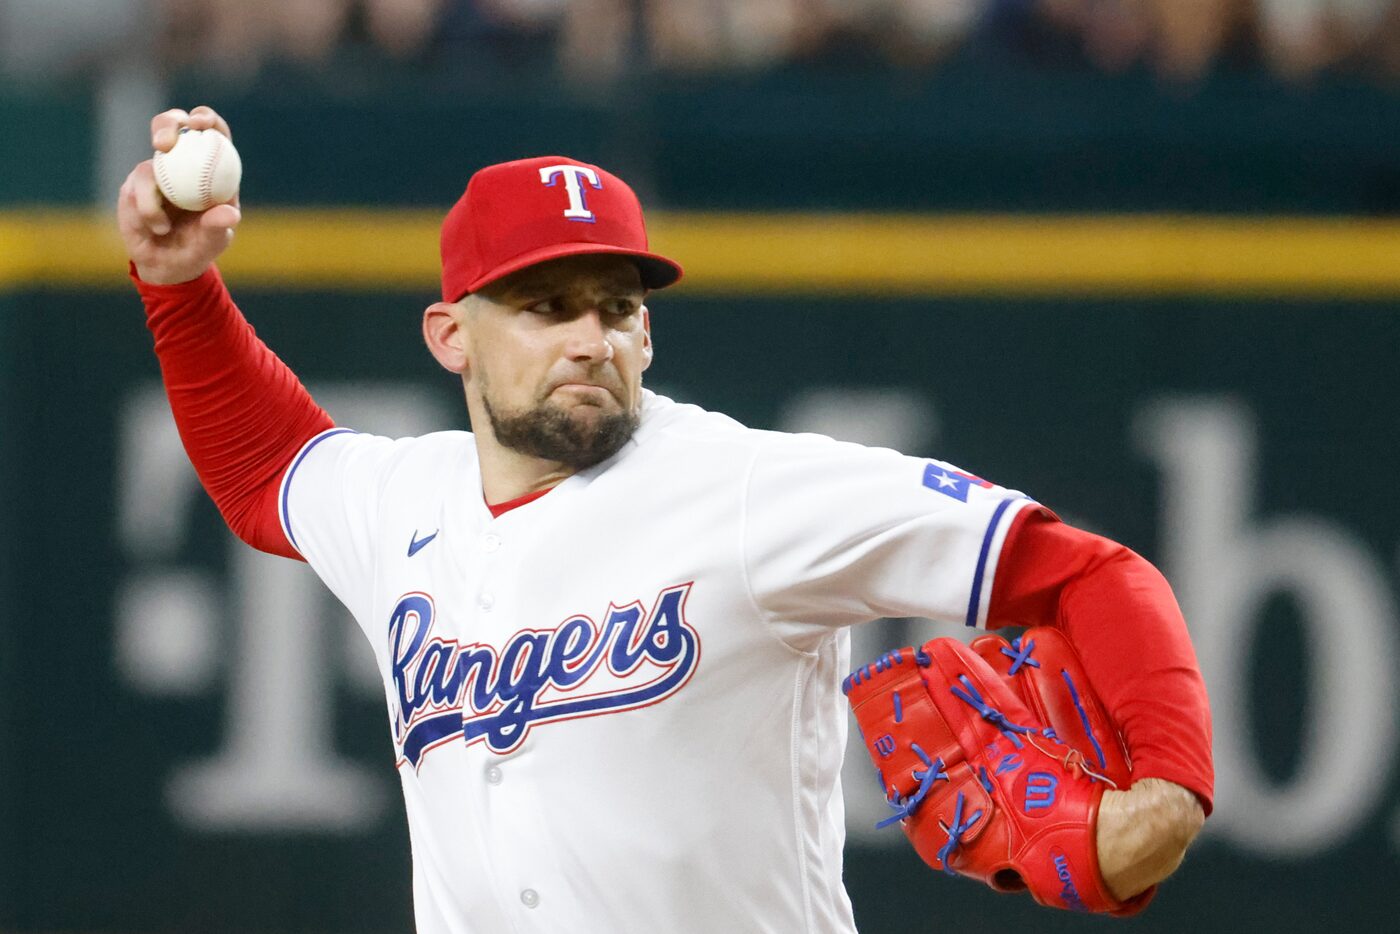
(621, 307)
(549, 306)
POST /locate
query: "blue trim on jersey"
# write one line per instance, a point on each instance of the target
(992, 526)
(287, 480)
(505, 729)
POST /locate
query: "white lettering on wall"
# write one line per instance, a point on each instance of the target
(267, 628)
(1224, 560)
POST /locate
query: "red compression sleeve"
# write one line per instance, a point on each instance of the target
(241, 413)
(1119, 613)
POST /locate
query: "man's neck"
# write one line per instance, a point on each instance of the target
(508, 475)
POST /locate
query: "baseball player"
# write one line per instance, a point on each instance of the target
(612, 628)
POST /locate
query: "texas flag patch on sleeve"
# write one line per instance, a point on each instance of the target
(950, 481)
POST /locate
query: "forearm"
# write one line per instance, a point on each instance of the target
(1124, 622)
(1126, 626)
(241, 413)
(1129, 633)
(1120, 615)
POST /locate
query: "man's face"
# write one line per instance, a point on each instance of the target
(557, 354)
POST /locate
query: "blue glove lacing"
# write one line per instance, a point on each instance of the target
(1020, 656)
(904, 807)
(969, 695)
(955, 833)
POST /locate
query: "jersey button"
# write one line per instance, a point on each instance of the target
(491, 542)
(530, 898)
(486, 601)
(493, 775)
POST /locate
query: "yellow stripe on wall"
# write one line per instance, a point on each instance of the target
(921, 255)
(1015, 255)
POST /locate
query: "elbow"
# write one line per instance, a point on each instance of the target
(254, 520)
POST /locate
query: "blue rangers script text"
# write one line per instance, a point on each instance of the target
(446, 688)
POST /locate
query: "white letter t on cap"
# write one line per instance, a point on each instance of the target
(578, 207)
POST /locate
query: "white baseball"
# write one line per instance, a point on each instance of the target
(200, 171)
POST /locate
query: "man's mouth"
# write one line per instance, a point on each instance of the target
(585, 390)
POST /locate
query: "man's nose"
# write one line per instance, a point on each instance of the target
(588, 338)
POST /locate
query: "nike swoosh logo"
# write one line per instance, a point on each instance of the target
(416, 544)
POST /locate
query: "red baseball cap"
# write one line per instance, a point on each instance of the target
(517, 214)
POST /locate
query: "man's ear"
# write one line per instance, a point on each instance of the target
(446, 335)
(647, 349)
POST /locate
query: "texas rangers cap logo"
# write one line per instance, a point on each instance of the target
(578, 203)
(516, 214)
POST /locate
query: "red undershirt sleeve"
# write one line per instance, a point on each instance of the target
(1121, 616)
(241, 413)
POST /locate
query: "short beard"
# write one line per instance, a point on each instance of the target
(547, 432)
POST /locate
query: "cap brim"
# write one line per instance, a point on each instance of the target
(657, 271)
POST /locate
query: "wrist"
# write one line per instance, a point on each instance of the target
(159, 275)
(154, 282)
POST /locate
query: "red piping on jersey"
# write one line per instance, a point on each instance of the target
(503, 508)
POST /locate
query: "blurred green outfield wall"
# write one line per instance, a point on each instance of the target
(153, 777)
(158, 780)
(10, 550)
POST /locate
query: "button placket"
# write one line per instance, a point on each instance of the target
(489, 543)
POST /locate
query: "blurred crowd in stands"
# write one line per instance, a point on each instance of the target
(1181, 41)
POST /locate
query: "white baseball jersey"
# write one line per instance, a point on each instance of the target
(617, 708)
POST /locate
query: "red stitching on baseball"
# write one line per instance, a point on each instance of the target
(206, 181)
(163, 179)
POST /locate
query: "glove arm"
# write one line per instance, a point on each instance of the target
(1118, 612)
(241, 413)
(1143, 833)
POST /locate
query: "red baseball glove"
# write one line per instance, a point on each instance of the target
(994, 758)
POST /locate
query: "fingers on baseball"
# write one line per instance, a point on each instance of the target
(205, 118)
(128, 217)
(165, 127)
(149, 203)
(221, 217)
